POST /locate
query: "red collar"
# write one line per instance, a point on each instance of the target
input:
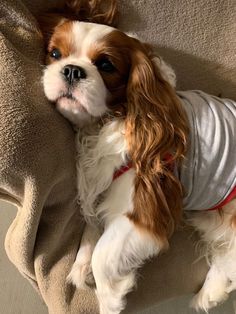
(122, 170)
(168, 159)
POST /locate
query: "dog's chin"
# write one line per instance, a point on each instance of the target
(73, 110)
(70, 103)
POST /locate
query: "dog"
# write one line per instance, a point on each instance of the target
(146, 153)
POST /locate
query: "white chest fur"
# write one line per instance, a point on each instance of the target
(101, 151)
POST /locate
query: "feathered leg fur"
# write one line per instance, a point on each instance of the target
(218, 230)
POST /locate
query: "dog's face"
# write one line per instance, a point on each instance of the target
(88, 69)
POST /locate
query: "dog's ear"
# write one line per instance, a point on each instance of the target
(48, 23)
(94, 11)
(156, 127)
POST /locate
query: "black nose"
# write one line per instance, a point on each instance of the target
(73, 73)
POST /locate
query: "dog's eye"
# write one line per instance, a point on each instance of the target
(55, 54)
(105, 65)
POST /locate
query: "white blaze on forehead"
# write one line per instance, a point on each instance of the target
(86, 34)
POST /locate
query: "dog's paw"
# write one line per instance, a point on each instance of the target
(90, 281)
(81, 275)
(206, 299)
(231, 287)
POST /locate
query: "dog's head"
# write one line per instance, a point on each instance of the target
(93, 69)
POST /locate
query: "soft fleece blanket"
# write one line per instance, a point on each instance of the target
(37, 156)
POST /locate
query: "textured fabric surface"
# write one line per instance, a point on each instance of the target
(37, 160)
(196, 37)
(37, 167)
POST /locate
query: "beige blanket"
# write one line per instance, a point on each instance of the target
(37, 157)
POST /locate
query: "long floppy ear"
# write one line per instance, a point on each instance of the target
(95, 11)
(48, 23)
(156, 127)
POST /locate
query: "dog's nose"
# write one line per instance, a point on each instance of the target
(73, 73)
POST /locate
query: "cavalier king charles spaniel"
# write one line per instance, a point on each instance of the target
(146, 153)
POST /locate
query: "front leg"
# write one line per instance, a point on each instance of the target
(81, 272)
(122, 249)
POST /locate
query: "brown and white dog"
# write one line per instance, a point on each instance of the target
(133, 136)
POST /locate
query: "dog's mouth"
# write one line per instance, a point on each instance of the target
(69, 101)
(68, 95)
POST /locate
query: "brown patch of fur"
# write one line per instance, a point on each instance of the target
(48, 23)
(95, 11)
(61, 39)
(156, 124)
(114, 47)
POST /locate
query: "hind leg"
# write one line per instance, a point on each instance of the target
(219, 233)
(213, 291)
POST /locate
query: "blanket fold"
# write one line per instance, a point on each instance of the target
(37, 167)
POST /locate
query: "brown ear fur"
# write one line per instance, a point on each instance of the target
(156, 125)
(48, 23)
(95, 11)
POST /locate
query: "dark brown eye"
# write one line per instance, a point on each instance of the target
(105, 65)
(55, 54)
